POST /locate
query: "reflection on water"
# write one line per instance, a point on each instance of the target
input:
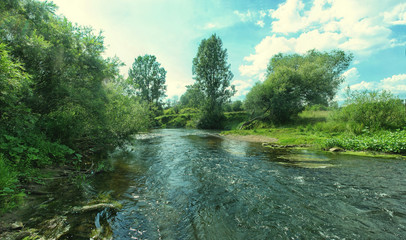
(190, 184)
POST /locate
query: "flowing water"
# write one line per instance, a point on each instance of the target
(191, 184)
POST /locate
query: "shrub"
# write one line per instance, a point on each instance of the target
(374, 110)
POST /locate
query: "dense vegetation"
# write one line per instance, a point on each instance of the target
(61, 102)
(368, 121)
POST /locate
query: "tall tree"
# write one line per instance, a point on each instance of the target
(148, 79)
(212, 74)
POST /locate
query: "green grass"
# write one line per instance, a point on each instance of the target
(285, 136)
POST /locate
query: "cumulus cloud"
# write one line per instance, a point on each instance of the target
(351, 76)
(288, 17)
(397, 16)
(396, 84)
(268, 47)
(362, 86)
(324, 25)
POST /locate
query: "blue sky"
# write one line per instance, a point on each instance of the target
(253, 31)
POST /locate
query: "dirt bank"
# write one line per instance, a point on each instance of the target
(251, 138)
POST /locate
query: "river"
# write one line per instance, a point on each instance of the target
(192, 184)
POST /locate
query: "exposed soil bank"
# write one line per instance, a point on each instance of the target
(251, 138)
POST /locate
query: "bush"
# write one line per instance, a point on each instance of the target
(374, 110)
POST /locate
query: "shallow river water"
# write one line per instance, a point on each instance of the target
(191, 184)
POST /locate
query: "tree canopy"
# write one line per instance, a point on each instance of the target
(213, 76)
(147, 77)
(295, 81)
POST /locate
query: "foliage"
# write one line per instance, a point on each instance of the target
(125, 116)
(382, 141)
(193, 97)
(147, 77)
(175, 120)
(235, 106)
(189, 110)
(234, 119)
(374, 110)
(296, 81)
(317, 107)
(8, 181)
(60, 100)
(169, 111)
(212, 74)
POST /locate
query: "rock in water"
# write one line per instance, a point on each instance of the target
(336, 149)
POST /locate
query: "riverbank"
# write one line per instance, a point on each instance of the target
(383, 145)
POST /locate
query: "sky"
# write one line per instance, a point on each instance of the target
(252, 31)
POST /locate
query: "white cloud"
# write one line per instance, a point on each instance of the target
(397, 16)
(260, 23)
(362, 86)
(268, 47)
(316, 40)
(350, 25)
(209, 26)
(248, 16)
(256, 17)
(242, 87)
(396, 84)
(351, 76)
(288, 17)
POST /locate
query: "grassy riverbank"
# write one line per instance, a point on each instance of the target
(317, 130)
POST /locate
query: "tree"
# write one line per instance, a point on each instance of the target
(192, 98)
(296, 81)
(148, 79)
(212, 74)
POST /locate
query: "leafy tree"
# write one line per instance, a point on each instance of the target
(147, 77)
(212, 74)
(193, 97)
(296, 81)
